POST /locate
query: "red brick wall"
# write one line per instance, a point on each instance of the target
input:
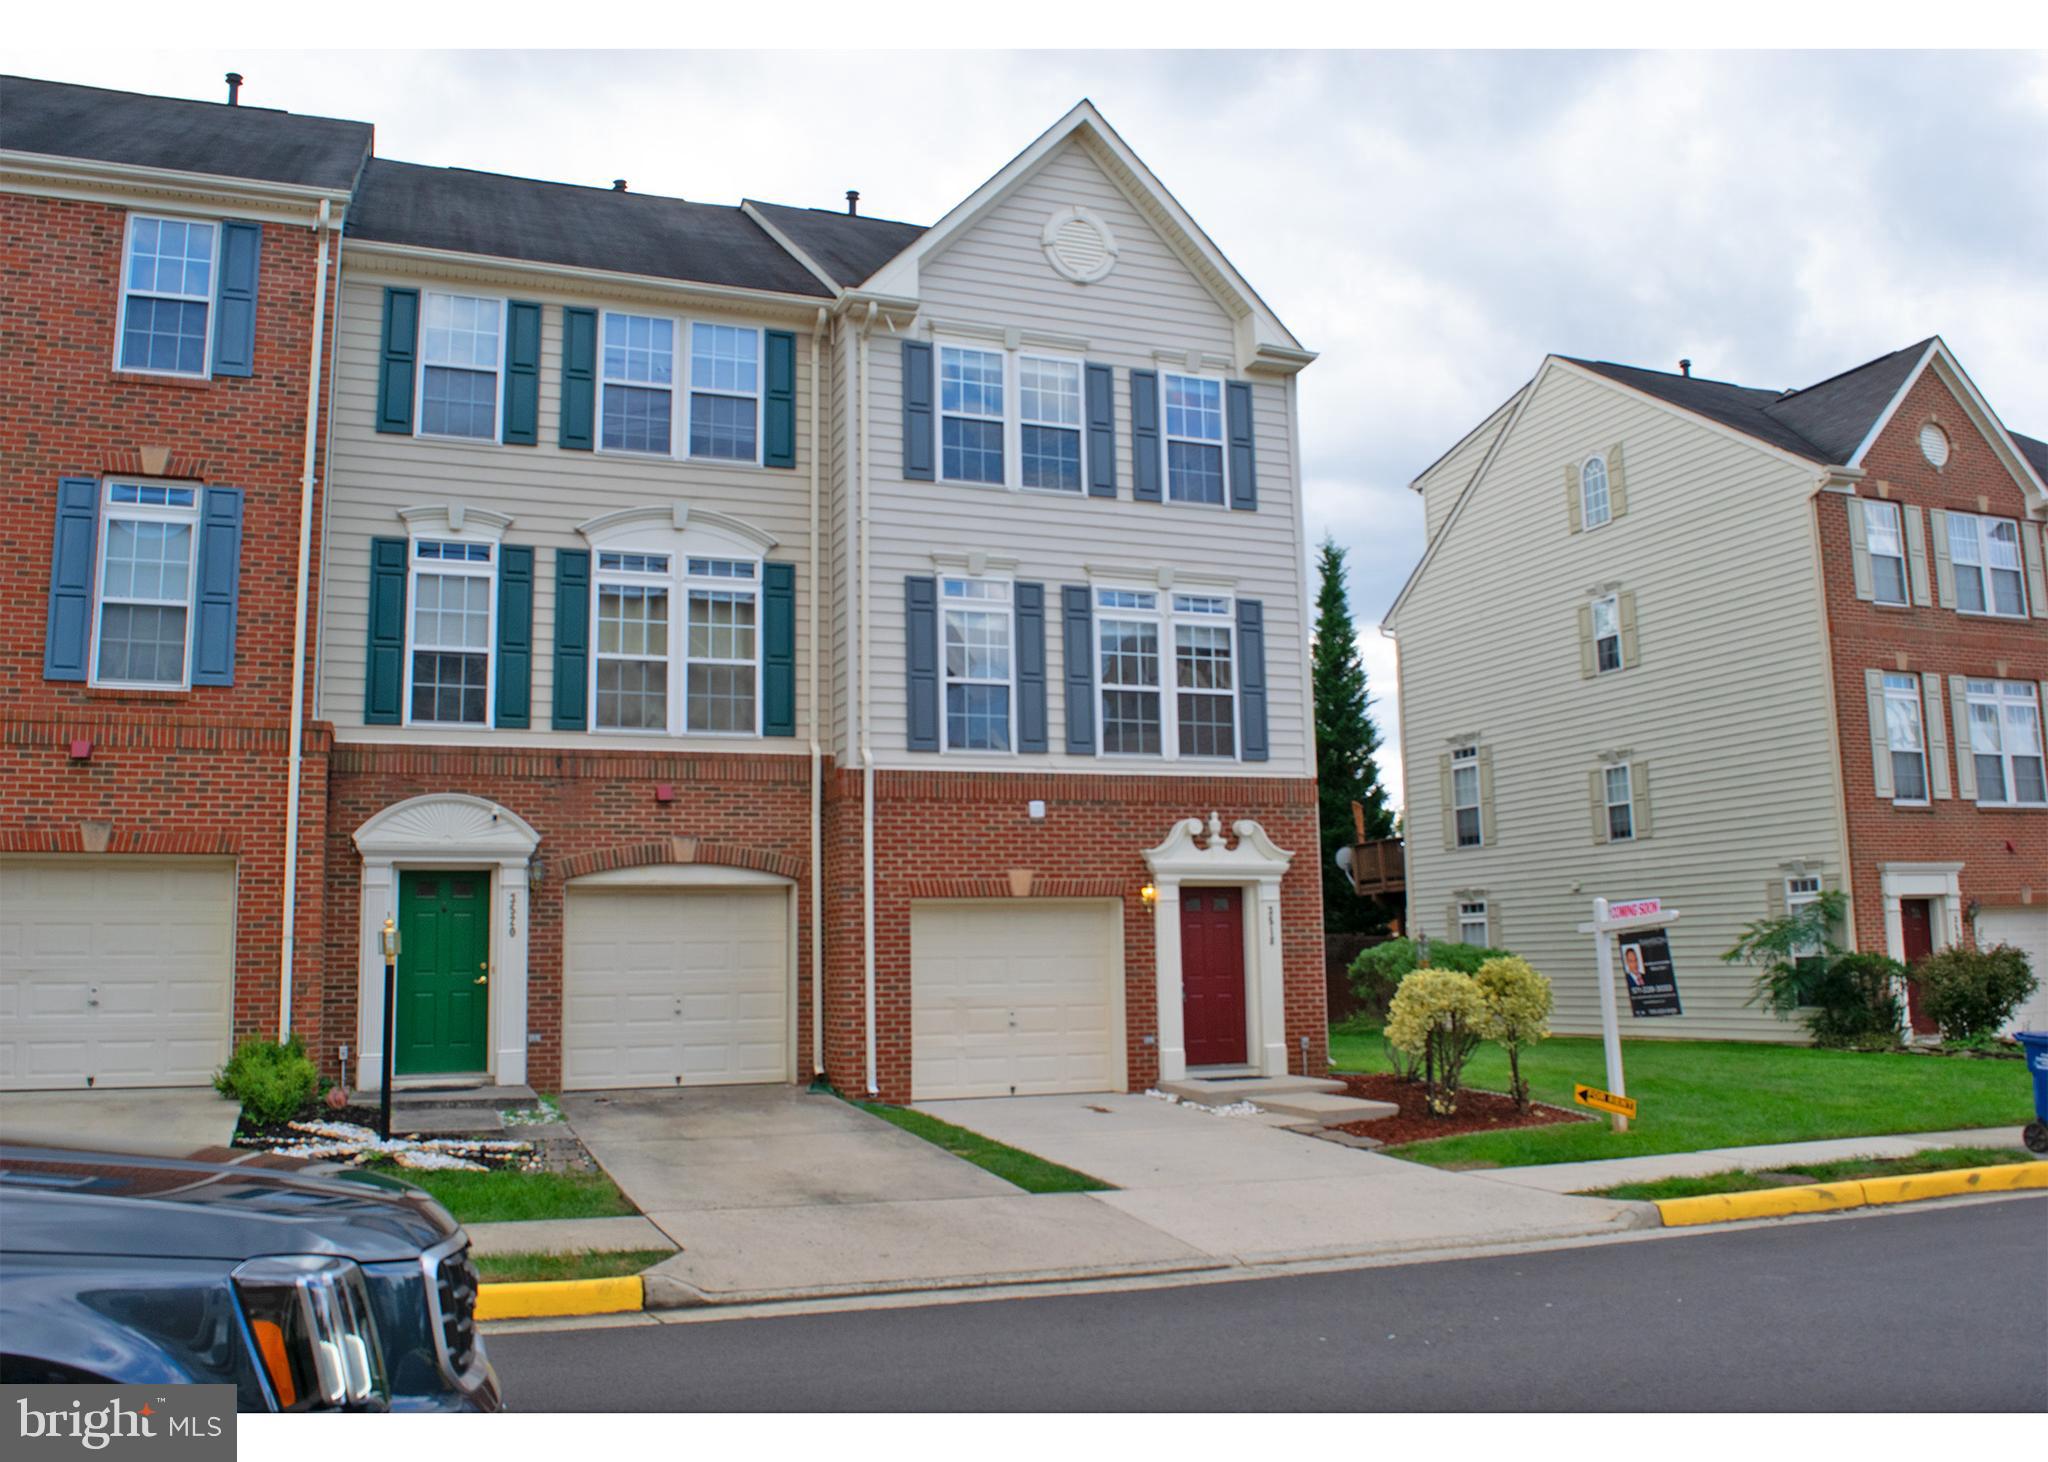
(2004, 852)
(594, 810)
(195, 771)
(958, 834)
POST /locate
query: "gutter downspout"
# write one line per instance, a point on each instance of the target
(297, 729)
(867, 751)
(817, 750)
(327, 455)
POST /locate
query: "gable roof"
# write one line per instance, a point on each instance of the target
(56, 119)
(846, 247)
(1837, 415)
(2035, 452)
(493, 214)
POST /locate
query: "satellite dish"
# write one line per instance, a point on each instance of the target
(1344, 857)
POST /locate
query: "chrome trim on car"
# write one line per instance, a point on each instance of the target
(471, 1377)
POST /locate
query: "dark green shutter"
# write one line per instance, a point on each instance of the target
(515, 636)
(396, 359)
(67, 635)
(572, 639)
(1101, 431)
(522, 373)
(1244, 477)
(779, 408)
(918, 458)
(1251, 679)
(234, 324)
(579, 381)
(219, 587)
(778, 649)
(384, 670)
(1078, 641)
(1031, 730)
(921, 619)
(1145, 462)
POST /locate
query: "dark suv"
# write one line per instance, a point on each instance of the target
(308, 1286)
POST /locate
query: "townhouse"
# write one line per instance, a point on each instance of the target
(757, 642)
(1769, 643)
(166, 288)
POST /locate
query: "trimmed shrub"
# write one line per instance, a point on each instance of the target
(1514, 1012)
(1378, 971)
(273, 1081)
(1972, 992)
(1436, 1015)
(1852, 1001)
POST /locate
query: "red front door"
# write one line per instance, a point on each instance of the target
(1212, 975)
(1916, 931)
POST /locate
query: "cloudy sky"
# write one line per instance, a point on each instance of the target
(1432, 223)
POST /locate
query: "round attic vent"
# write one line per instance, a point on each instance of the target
(1079, 245)
(1934, 444)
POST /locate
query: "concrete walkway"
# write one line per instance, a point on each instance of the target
(1580, 1177)
(165, 1118)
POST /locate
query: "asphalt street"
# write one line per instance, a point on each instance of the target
(1935, 1309)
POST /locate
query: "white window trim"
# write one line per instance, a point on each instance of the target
(678, 401)
(1098, 615)
(1586, 523)
(1797, 897)
(419, 375)
(1222, 443)
(1168, 619)
(2003, 694)
(1484, 918)
(1008, 607)
(212, 300)
(422, 532)
(1874, 508)
(687, 377)
(1012, 418)
(1627, 769)
(144, 512)
(1984, 568)
(1468, 752)
(1613, 601)
(1903, 693)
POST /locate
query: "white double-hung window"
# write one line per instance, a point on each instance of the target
(1472, 921)
(1166, 673)
(1621, 818)
(977, 628)
(989, 434)
(1468, 831)
(1906, 735)
(2005, 743)
(144, 605)
(1194, 438)
(1887, 545)
(1985, 553)
(462, 359)
(167, 295)
(450, 653)
(1049, 422)
(721, 685)
(725, 392)
(644, 677)
(1204, 675)
(639, 384)
(631, 664)
(971, 414)
(1127, 646)
(1607, 633)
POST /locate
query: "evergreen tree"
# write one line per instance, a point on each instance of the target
(1345, 743)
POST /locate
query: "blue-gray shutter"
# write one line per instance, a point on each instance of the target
(778, 409)
(220, 580)
(1244, 476)
(1251, 680)
(396, 358)
(919, 452)
(384, 667)
(921, 621)
(522, 373)
(1145, 464)
(578, 432)
(515, 636)
(1078, 641)
(1031, 715)
(572, 639)
(1101, 431)
(67, 635)
(234, 319)
(778, 649)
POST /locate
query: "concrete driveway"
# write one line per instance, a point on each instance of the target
(159, 1118)
(771, 1191)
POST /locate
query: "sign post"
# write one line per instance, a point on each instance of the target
(1609, 920)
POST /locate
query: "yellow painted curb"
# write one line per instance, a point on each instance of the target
(1822, 1197)
(558, 1297)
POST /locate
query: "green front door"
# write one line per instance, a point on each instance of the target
(444, 992)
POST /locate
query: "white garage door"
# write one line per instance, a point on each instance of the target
(1015, 999)
(2026, 929)
(667, 984)
(114, 973)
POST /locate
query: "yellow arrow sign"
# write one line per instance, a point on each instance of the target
(1605, 1101)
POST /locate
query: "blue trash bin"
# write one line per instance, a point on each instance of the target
(2035, 1044)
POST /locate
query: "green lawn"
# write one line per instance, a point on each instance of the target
(506, 1195)
(1032, 1174)
(1938, 1160)
(588, 1264)
(1701, 1094)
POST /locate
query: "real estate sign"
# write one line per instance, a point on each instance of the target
(1652, 982)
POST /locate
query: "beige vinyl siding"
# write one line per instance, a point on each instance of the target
(996, 276)
(1442, 484)
(545, 490)
(1729, 703)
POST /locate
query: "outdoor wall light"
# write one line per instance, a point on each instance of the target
(1149, 894)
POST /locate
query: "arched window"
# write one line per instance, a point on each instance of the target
(1593, 501)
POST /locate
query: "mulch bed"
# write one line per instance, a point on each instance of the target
(1478, 1111)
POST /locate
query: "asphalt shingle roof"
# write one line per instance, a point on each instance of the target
(845, 246)
(87, 122)
(1838, 413)
(1740, 407)
(2035, 452)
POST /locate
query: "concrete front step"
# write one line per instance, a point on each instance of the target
(1326, 1110)
(1222, 1091)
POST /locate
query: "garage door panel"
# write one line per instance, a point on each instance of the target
(2026, 929)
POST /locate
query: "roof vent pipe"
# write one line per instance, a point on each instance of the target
(234, 88)
(1685, 368)
(618, 185)
(852, 203)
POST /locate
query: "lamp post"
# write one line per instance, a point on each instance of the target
(390, 1025)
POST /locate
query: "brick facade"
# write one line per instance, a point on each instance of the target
(2004, 851)
(201, 771)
